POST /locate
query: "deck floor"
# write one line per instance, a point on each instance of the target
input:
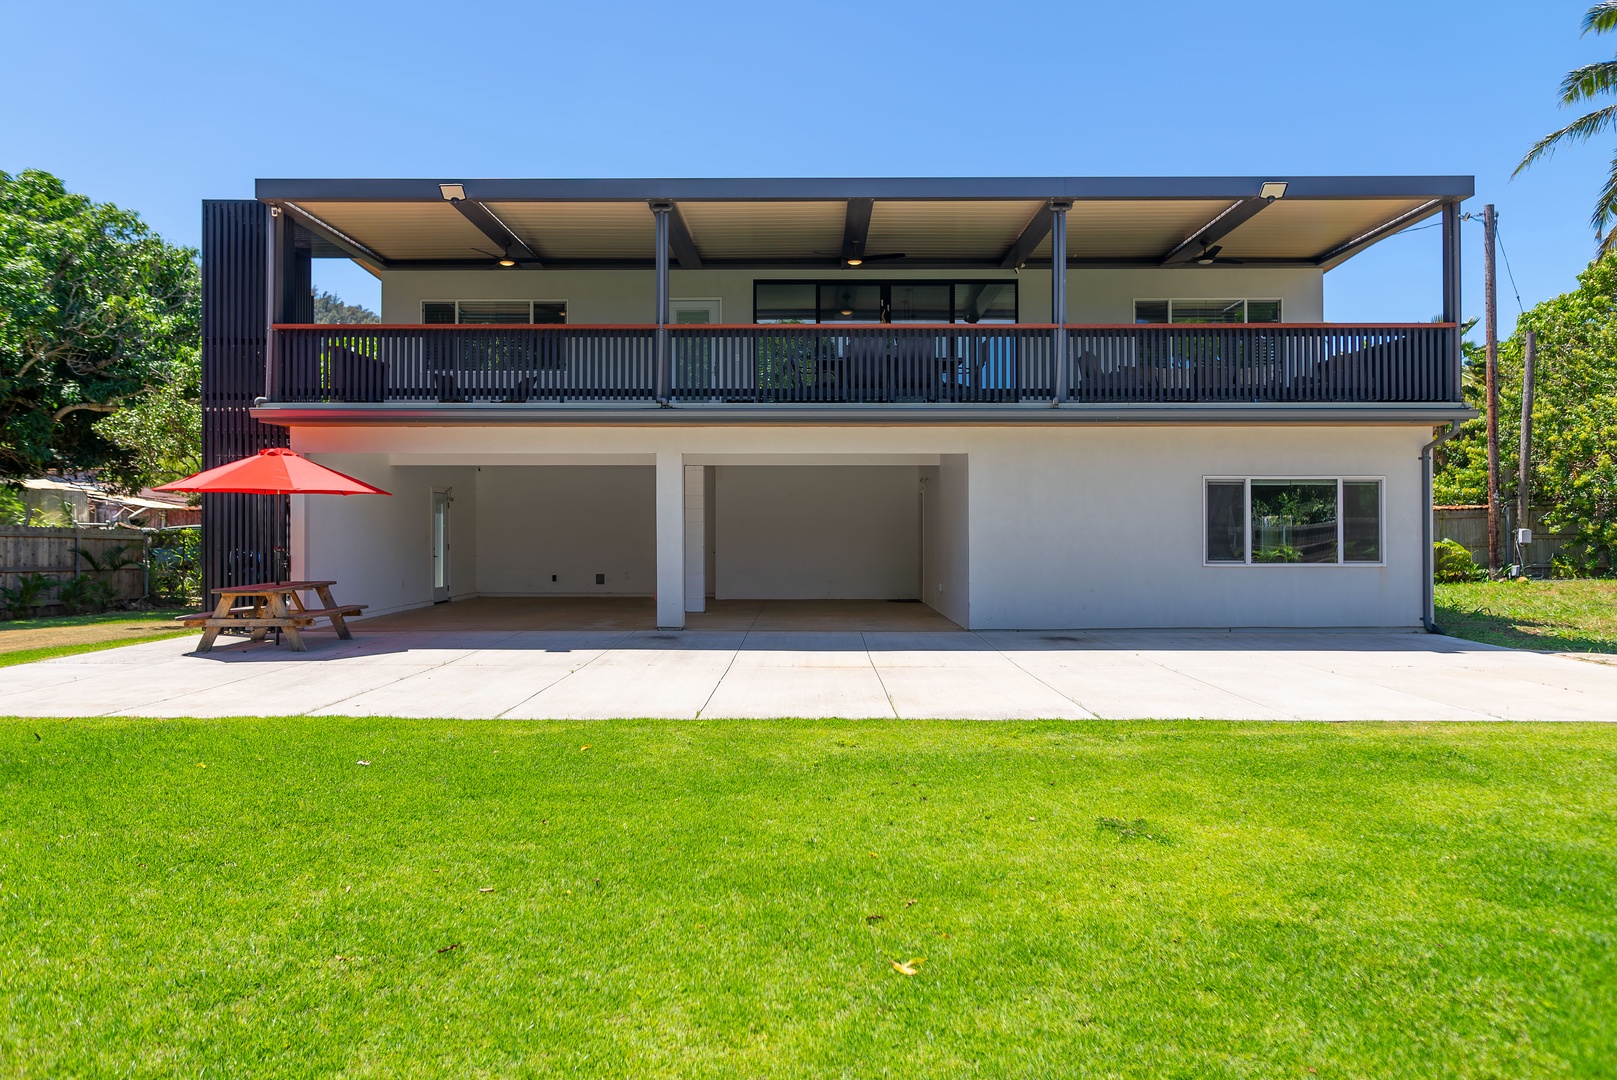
(640, 613)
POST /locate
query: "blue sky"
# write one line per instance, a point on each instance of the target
(157, 106)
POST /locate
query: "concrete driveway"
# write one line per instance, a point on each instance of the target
(887, 675)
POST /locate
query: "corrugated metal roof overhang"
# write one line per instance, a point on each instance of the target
(972, 221)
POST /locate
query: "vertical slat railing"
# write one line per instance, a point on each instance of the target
(864, 364)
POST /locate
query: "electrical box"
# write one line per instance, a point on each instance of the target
(1524, 536)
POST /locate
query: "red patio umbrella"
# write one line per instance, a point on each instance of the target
(276, 471)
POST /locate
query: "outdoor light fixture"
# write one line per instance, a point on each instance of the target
(855, 262)
(457, 192)
(1272, 190)
(1209, 255)
(507, 261)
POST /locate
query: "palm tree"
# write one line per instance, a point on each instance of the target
(1586, 84)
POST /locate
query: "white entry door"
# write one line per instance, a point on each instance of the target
(440, 546)
(694, 369)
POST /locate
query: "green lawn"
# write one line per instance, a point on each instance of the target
(1578, 616)
(22, 641)
(632, 898)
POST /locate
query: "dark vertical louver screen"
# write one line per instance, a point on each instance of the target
(238, 531)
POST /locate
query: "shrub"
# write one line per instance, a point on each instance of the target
(81, 593)
(27, 594)
(176, 565)
(1277, 553)
(1452, 562)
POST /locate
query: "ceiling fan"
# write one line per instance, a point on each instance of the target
(860, 260)
(506, 259)
(1210, 257)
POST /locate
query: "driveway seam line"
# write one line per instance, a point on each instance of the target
(725, 674)
(871, 660)
(1054, 690)
(557, 682)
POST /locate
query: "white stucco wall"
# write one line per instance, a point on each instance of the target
(1069, 525)
(379, 548)
(570, 521)
(626, 296)
(945, 539)
(797, 532)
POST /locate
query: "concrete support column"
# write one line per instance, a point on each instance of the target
(695, 539)
(670, 540)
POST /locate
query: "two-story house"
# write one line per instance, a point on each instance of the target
(1027, 403)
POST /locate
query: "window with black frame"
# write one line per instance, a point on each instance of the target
(894, 302)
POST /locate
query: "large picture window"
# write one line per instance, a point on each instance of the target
(1278, 520)
(1207, 311)
(897, 302)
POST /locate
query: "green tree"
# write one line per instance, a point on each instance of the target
(330, 309)
(1574, 451)
(1587, 84)
(96, 311)
(160, 432)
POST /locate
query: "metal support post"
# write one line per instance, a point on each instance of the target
(665, 375)
(1058, 297)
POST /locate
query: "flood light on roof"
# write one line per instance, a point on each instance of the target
(1273, 189)
(452, 192)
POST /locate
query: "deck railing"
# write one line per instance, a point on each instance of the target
(869, 364)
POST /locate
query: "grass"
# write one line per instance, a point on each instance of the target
(251, 898)
(23, 641)
(1575, 616)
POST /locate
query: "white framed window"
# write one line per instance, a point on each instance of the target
(494, 312)
(1234, 310)
(1292, 520)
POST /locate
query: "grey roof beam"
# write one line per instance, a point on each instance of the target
(334, 236)
(1233, 217)
(1032, 236)
(1335, 255)
(856, 228)
(841, 189)
(489, 224)
(823, 263)
(680, 241)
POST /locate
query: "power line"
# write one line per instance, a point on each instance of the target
(1511, 274)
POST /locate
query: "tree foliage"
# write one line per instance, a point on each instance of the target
(1581, 85)
(96, 312)
(1574, 451)
(330, 309)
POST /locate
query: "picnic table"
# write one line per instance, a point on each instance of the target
(275, 606)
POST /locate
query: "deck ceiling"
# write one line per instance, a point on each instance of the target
(810, 223)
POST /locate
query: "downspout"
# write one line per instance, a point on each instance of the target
(1428, 615)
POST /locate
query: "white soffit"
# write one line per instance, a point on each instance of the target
(946, 228)
(1308, 228)
(1119, 229)
(582, 230)
(405, 230)
(763, 230)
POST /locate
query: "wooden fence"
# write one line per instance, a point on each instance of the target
(1468, 526)
(53, 552)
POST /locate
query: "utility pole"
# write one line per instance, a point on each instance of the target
(1491, 372)
(1524, 473)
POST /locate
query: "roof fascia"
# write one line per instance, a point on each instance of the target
(838, 189)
